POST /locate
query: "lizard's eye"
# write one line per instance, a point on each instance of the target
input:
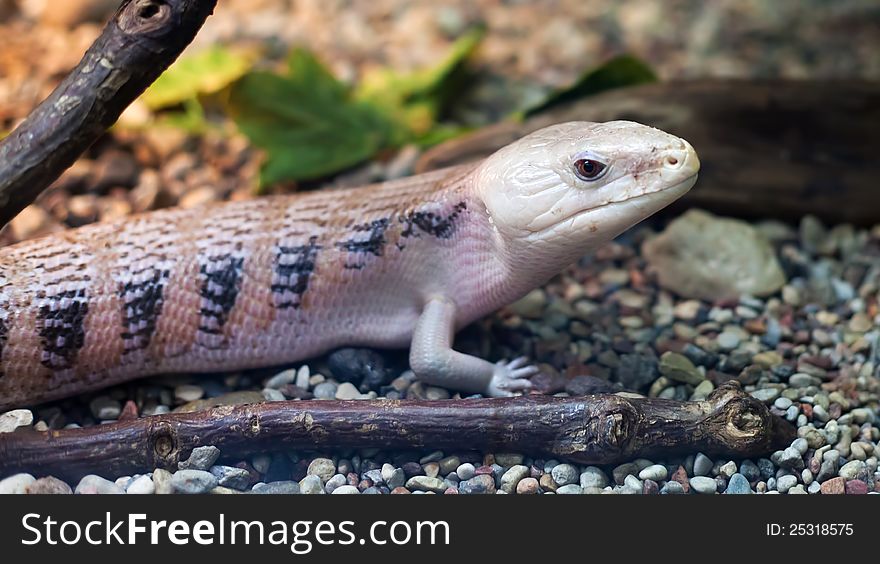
(589, 169)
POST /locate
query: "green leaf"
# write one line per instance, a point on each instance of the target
(417, 98)
(623, 70)
(312, 125)
(306, 121)
(191, 119)
(205, 72)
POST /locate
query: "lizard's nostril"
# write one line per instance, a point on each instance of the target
(672, 161)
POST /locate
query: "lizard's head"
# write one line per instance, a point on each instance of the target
(566, 189)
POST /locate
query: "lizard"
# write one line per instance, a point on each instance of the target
(278, 279)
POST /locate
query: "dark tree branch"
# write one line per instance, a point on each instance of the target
(599, 429)
(141, 40)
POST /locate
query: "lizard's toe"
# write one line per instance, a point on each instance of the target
(511, 377)
(517, 385)
(518, 362)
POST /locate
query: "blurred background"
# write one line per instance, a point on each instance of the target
(532, 44)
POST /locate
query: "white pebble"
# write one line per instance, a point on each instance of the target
(342, 490)
(302, 377)
(704, 484)
(142, 485)
(656, 472)
(16, 484)
(12, 420)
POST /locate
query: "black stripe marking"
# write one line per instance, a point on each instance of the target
(60, 322)
(442, 227)
(373, 244)
(293, 268)
(221, 283)
(142, 308)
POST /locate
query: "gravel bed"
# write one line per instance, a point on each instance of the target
(808, 348)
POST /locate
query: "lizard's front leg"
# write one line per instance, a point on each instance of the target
(434, 362)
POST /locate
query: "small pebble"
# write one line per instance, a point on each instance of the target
(201, 458)
(749, 470)
(272, 394)
(785, 483)
(337, 480)
(311, 485)
(188, 392)
(346, 490)
(766, 395)
(782, 403)
(570, 489)
(527, 486)
(283, 487)
(727, 341)
(851, 470)
(703, 484)
(49, 485)
(738, 485)
(702, 465)
(324, 468)
(282, 379)
(834, 486)
(426, 484)
(449, 464)
(396, 479)
(593, 477)
(93, 484)
(727, 469)
(565, 474)
(347, 391)
(162, 481)
(11, 420)
(656, 472)
(465, 471)
(672, 488)
(513, 475)
(142, 485)
(481, 484)
(16, 484)
(193, 481)
(856, 487)
(231, 477)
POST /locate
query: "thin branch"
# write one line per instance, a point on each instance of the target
(140, 41)
(598, 429)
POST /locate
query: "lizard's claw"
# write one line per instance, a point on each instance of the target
(511, 377)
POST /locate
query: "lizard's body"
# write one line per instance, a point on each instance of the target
(279, 279)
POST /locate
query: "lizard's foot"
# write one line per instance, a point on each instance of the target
(511, 377)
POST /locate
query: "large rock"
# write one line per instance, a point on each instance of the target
(700, 255)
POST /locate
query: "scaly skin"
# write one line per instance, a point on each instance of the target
(280, 279)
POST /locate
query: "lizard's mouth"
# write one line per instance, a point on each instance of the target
(607, 217)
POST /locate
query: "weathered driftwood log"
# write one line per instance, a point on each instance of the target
(140, 41)
(768, 148)
(598, 429)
